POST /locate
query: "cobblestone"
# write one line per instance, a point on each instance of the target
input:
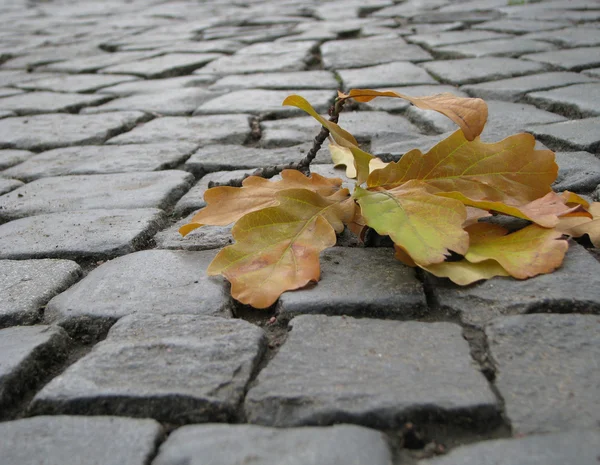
(102, 161)
(27, 285)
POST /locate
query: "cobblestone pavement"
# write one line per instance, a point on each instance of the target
(116, 348)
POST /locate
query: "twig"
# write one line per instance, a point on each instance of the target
(302, 165)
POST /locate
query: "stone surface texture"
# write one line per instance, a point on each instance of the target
(116, 117)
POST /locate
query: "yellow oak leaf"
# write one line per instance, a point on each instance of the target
(277, 248)
(578, 224)
(226, 205)
(525, 253)
(469, 113)
(426, 226)
(464, 272)
(510, 171)
(342, 137)
(343, 156)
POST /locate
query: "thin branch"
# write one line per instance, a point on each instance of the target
(302, 165)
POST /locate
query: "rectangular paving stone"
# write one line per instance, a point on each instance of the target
(70, 440)
(175, 102)
(316, 79)
(89, 233)
(471, 70)
(576, 101)
(570, 135)
(515, 26)
(27, 353)
(27, 285)
(151, 281)
(8, 92)
(390, 74)
(513, 47)
(231, 129)
(594, 72)
(578, 172)
(514, 89)
(168, 65)
(77, 83)
(44, 132)
(92, 63)
(153, 86)
(217, 444)
(7, 185)
(226, 157)
(194, 199)
(6, 114)
(173, 368)
(579, 36)
(573, 59)
(569, 448)
(388, 288)
(101, 159)
(573, 288)
(85, 192)
(358, 53)
(454, 37)
(377, 373)
(258, 101)
(247, 63)
(32, 103)
(204, 238)
(545, 371)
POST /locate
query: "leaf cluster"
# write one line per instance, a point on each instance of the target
(432, 205)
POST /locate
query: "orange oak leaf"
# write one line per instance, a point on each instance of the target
(277, 248)
(469, 113)
(578, 224)
(509, 171)
(226, 205)
(426, 226)
(525, 253)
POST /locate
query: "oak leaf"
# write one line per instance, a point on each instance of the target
(277, 248)
(226, 205)
(578, 224)
(469, 113)
(426, 226)
(509, 171)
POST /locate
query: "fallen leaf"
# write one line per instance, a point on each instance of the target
(426, 226)
(578, 225)
(525, 253)
(277, 248)
(509, 171)
(343, 156)
(226, 205)
(469, 113)
(463, 272)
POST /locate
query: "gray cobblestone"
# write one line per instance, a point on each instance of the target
(516, 26)
(171, 64)
(44, 132)
(99, 191)
(218, 444)
(543, 373)
(76, 83)
(27, 354)
(204, 238)
(574, 59)
(69, 440)
(454, 37)
(7, 185)
(101, 160)
(578, 172)
(154, 86)
(200, 130)
(514, 89)
(497, 47)
(570, 135)
(471, 70)
(33, 103)
(371, 372)
(390, 74)
(89, 233)
(164, 355)
(278, 81)
(570, 36)
(27, 286)
(93, 63)
(576, 101)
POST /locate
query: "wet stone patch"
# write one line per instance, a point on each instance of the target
(369, 372)
(173, 368)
